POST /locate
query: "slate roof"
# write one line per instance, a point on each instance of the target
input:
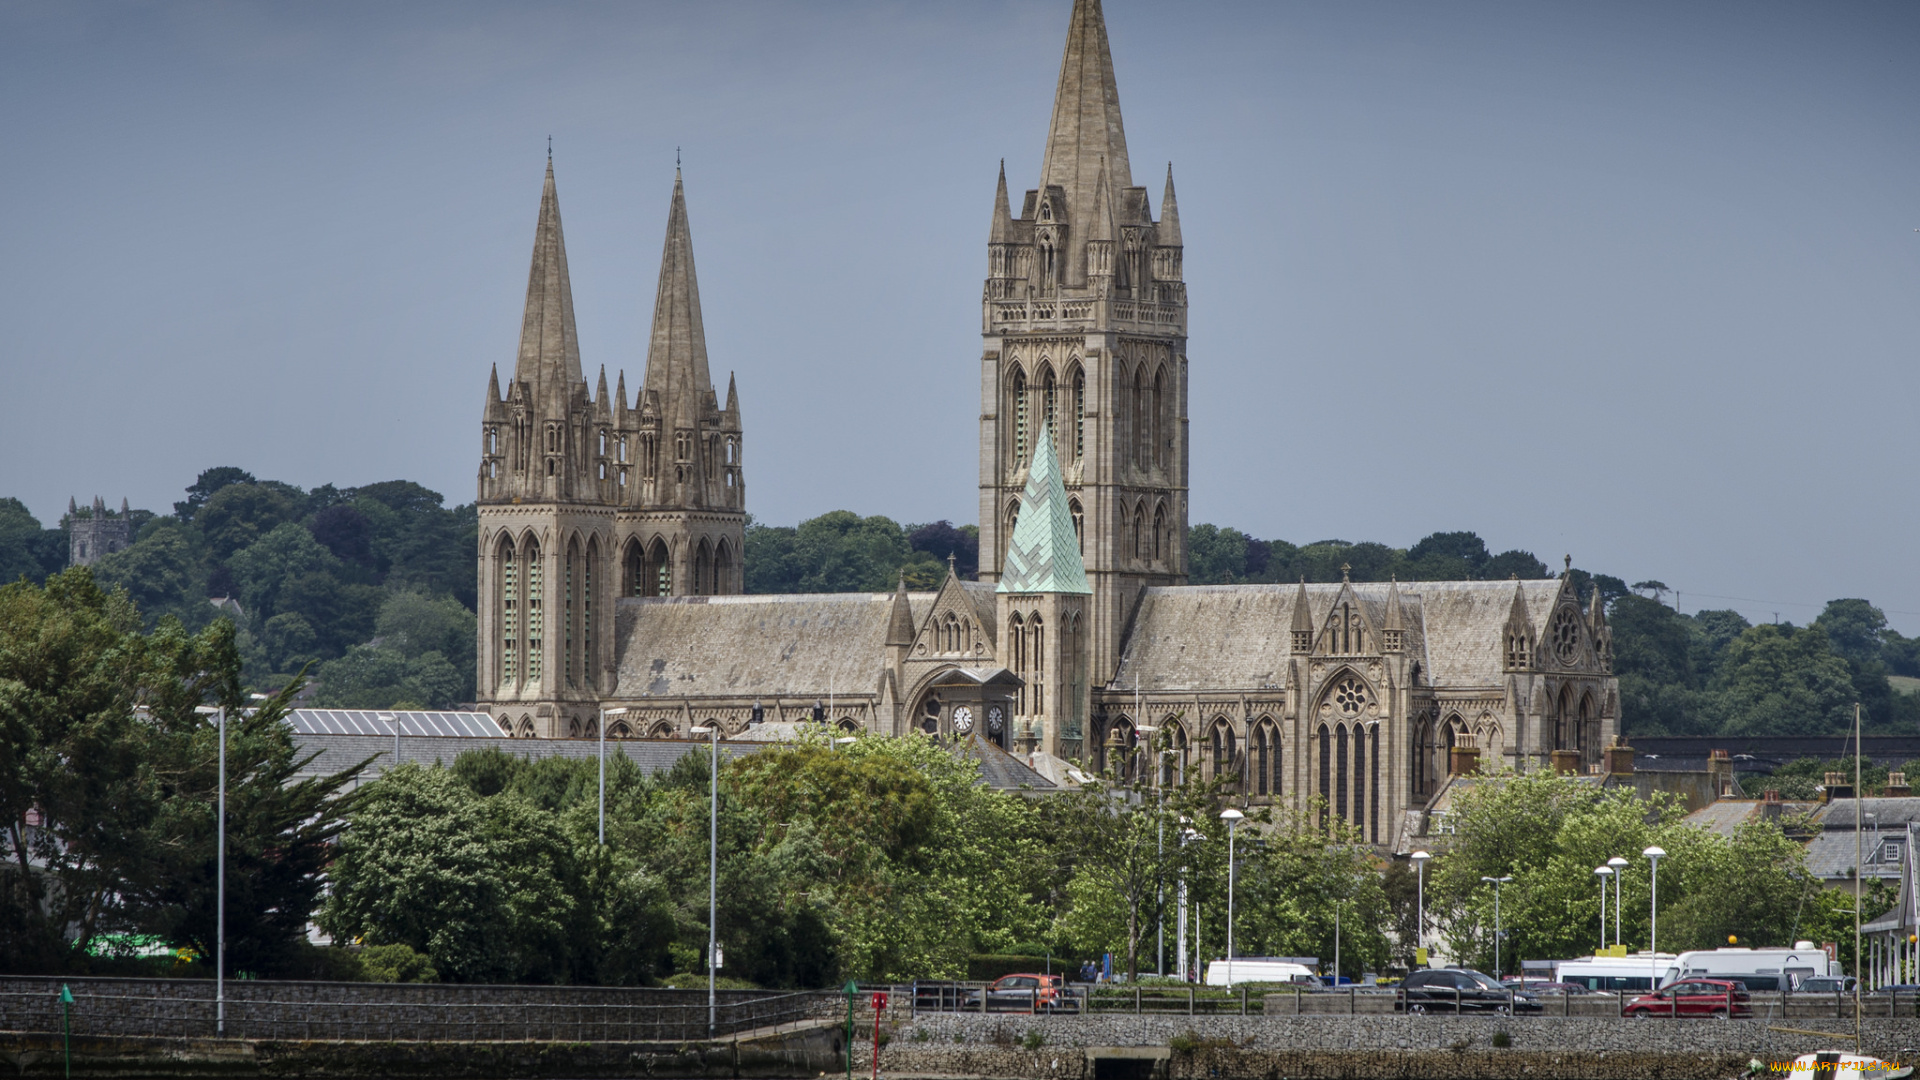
(1001, 770)
(337, 752)
(805, 645)
(1199, 637)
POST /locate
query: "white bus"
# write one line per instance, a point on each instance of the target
(1635, 971)
(1760, 969)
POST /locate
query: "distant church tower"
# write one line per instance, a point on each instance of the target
(584, 498)
(97, 534)
(1085, 337)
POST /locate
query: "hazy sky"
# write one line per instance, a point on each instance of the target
(1636, 282)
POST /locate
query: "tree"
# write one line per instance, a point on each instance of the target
(1216, 556)
(206, 486)
(239, 514)
(27, 550)
(940, 539)
(1778, 680)
(161, 573)
(265, 567)
(489, 889)
(103, 755)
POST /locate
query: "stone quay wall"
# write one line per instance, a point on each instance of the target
(1180, 1047)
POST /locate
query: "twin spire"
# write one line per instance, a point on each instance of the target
(549, 359)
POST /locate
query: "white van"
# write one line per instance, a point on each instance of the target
(1635, 971)
(1244, 970)
(1760, 969)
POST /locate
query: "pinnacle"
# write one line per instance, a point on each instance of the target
(1002, 231)
(1169, 233)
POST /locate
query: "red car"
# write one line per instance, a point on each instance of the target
(1024, 992)
(1695, 997)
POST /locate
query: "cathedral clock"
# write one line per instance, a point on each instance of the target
(995, 719)
(962, 719)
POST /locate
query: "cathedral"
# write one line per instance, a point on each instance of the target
(612, 525)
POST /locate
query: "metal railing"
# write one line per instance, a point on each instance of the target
(361, 1012)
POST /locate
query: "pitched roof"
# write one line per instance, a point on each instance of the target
(806, 645)
(549, 358)
(1044, 554)
(1196, 637)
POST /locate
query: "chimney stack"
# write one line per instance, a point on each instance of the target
(1465, 758)
(1836, 787)
(1565, 762)
(1619, 758)
(1897, 787)
(1720, 768)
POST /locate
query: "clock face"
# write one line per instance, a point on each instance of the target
(995, 719)
(963, 719)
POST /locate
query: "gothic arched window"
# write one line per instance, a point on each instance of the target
(1160, 533)
(1079, 523)
(1222, 739)
(1265, 747)
(1139, 532)
(1049, 396)
(570, 605)
(1142, 438)
(702, 569)
(722, 568)
(589, 664)
(509, 597)
(1079, 413)
(535, 616)
(1161, 424)
(659, 569)
(1038, 632)
(1019, 418)
(1017, 637)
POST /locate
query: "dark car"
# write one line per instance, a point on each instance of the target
(1462, 990)
(1551, 989)
(1694, 997)
(1825, 984)
(1024, 992)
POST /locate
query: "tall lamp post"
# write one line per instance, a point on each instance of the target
(1232, 818)
(1188, 835)
(1601, 874)
(393, 722)
(1618, 865)
(713, 866)
(219, 713)
(1420, 926)
(604, 713)
(1654, 855)
(1496, 882)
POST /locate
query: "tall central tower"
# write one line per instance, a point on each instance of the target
(1085, 337)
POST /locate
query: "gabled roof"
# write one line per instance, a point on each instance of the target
(1196, 637)
(807, 645)
(1044, 554)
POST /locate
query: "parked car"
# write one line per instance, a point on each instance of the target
(1023, 992)
(1694, 997)
(1825, 984)
(1463, 990)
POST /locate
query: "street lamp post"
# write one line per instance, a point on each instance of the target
(219, 713)
(1618, 865)
(1601, 874)
(1654, 854)
(604, 713)
(1232, 818)
(1496, 882)
(713, 865)
(1420, 926)
(1187, 836)
(394, 721)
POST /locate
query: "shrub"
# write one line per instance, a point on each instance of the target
(1034, 1039)
(1502, 1040)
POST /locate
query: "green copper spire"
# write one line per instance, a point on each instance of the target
(1044, 556)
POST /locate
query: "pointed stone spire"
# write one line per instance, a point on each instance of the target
(99, 507)
(1169, 232)
(1085, 137)
(124, 511)
(1302, 619)
(1002, 231)
(900, 619)
(733, 396)
(677, 354)
(1394, 620)
(493, 390)
(600, 392)
(73, 508)
(549, 360)
(1044, 555)
(620, 392)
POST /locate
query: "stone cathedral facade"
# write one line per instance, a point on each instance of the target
(611, 530)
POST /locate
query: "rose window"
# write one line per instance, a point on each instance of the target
(1566, 635)
(1350, 696)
